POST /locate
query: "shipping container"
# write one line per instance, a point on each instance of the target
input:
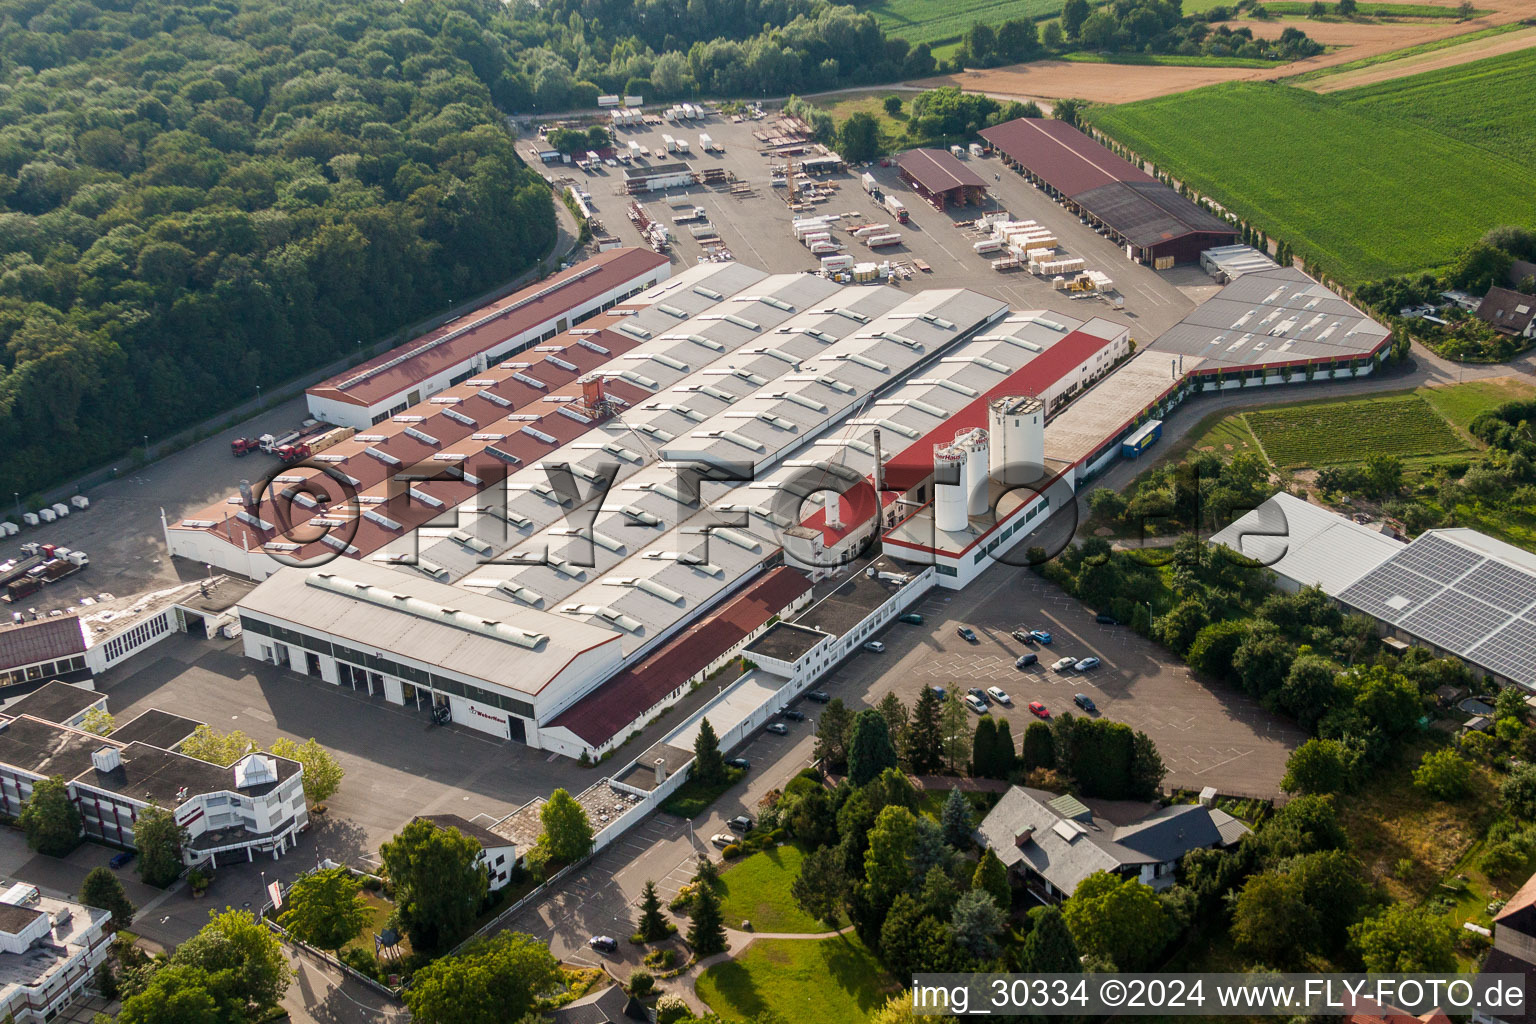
(990, 245)
(869, 183)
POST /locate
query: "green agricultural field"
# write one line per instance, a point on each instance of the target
(1407, 51)
(1168, 60)
(1486, 103)
(1363, 195)
(1284, 8)
(943, 21)
(1329, 433)
(823, 981)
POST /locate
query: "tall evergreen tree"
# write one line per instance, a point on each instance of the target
(870, 752)
(653, 924)
(706, 933)
(708, 762)
(1039, 747)
(956, 820)
(1049, 947)
(895, 714)
(1003, 754)
(925, 736)
(991, 877)
(981, 747)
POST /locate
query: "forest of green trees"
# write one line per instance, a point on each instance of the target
(198, 199)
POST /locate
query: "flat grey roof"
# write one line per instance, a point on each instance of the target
(786, 641)
(1272, 316)
(852, 602)
(55, 702)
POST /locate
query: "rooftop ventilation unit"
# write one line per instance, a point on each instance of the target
(699, 339)
(851, 314)
(633, 330)
(638, 380)
(939, 321)
(494, 398)
(741, 321)
(681, 314)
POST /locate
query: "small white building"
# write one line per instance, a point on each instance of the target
(49, 951)
(497, 853)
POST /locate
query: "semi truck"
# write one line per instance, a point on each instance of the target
(897, 209)
(869, 183)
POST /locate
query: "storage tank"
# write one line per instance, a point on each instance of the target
(1017, 427)
(974, 443)
(949, 488)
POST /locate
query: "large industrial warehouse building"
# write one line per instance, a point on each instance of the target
(1155, 224)
(940, 178)
(531, 551)
(1456, 591)
(404, 376)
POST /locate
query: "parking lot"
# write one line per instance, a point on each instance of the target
(1208, 734)
(755, 226)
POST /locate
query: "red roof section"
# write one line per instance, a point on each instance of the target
(511, 315)
(938, 171)
(41, 640)
(1064, 157)
(609, 709)
(855, 508)
(915, 463)
(453, 436)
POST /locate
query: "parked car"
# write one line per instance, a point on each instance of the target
(740, 762)
(1023, 636)
(941, 692)
(793, 714)
(979, 694)
(741, 823)
(604, 943)
(1040, 635)
(722, 839)
(777, 728)
(1108, 620)
(874, 645)
(1026, 660)
(912, 617)
(975, 703)
(1084, 701)
(819, 696)
(1038, 709)
(967, 634)
(1062, 664)
(997, 694)
(122, 859)
(1087, 664)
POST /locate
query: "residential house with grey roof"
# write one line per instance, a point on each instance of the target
(1051, 843)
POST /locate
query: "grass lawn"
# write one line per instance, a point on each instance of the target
(380, 909)
(892, 129)
(1485, 103)
(1392, 821)
(1407, 51)
(693, 797)
(830, 981)
(1377, 193)
(756, 889)
(942, 21)
(1461, 403)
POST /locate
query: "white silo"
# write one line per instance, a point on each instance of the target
(949, 490)
(974, 443)
(1017, 425)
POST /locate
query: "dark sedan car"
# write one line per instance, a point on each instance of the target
(1084, 701)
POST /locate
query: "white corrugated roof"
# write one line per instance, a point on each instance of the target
(1307, 543)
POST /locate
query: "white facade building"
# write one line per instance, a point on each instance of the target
(49, 951)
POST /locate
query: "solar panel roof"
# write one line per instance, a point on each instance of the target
(1462, 592)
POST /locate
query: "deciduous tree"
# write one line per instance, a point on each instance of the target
(50, 818)
(1116, 919)
(567, 835)
(438, 880)
(322, 774)
(102, 889)
(325, 908)
(222, 749)
(159, 841)
(493, 981)
(1404, 938)
(244, 962)
(821, 887)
